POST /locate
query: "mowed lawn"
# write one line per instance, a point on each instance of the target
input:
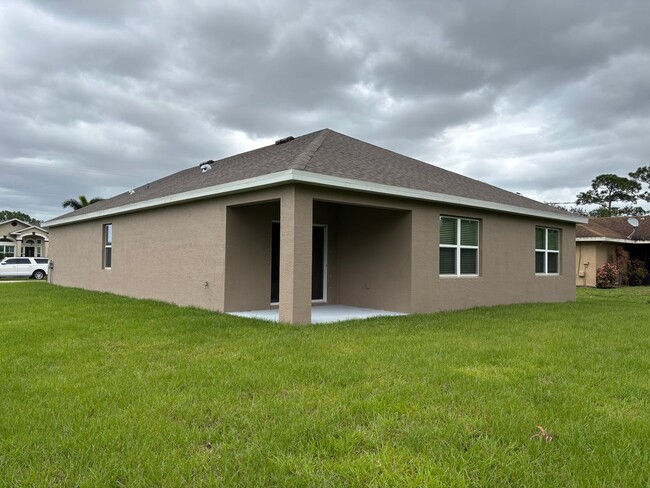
(100, 390)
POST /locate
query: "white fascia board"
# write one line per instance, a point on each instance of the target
(300, 176)
(338, 182)
(16, 220)
(30, 229)
(223, 189)
(610, 239)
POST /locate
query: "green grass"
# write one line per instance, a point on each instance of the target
(99, 390)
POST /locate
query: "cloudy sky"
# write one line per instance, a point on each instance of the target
(537, 97)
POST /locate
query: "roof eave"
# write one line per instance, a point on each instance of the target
(300, 176)
(15, 220)
(612, 239)
(26, 229)
(369, 187)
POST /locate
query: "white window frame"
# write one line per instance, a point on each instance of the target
(548, 251)
(6, 249)
(458, 246)
(107, 245)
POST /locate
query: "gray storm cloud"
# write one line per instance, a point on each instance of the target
(535, 97)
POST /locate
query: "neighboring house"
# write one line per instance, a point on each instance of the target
(597, 240)
(20, 239)
(322, 218)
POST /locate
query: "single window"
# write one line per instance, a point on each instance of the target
(459, 246)
(108, 246)
(547, 251)
(42, 260)
(22, 261)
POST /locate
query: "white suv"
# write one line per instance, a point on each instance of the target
(24, 267)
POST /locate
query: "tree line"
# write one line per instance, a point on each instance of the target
(73, 203)
(615, 195)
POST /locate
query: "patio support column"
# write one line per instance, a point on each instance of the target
(296, 218)
(424, 247)
(220, 251)
(18, 248)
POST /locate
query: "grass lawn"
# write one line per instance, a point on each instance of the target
(99, 390)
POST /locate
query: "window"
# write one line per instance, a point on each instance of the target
(547, 250)
(108, 246)
(6, 250)
(458, 246)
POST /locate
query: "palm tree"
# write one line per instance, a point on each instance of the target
(82, 202)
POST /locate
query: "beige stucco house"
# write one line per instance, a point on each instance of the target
(597, 240)
(18, 238)
(319, 219)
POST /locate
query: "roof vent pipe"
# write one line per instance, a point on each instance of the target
(282, 141)
(206, 166)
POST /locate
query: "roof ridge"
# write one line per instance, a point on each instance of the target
(302, 160)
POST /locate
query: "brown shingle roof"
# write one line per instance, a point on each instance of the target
(329, 153)
(614, 228)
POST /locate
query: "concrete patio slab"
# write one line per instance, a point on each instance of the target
(323, 314)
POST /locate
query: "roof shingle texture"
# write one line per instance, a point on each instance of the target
(615, 228)
(324, 152)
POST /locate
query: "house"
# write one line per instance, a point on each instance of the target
(319, 219)
(597, 240)
(18, 238)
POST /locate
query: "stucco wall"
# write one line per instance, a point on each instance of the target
(7, 228)
(165, 254)
(248, 256)
(507, 265)
(382, 253)
(507, 257)
(589, 257)
(374, 258)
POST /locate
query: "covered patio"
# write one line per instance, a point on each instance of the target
(303, 259)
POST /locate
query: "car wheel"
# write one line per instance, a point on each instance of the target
(38, 274)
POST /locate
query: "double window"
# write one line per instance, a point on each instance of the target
(458, 246)
(107, 258)
(6, 250)
(547, 251)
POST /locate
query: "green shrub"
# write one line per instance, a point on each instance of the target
(636, 272)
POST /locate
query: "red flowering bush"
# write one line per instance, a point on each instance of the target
(607, 276)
